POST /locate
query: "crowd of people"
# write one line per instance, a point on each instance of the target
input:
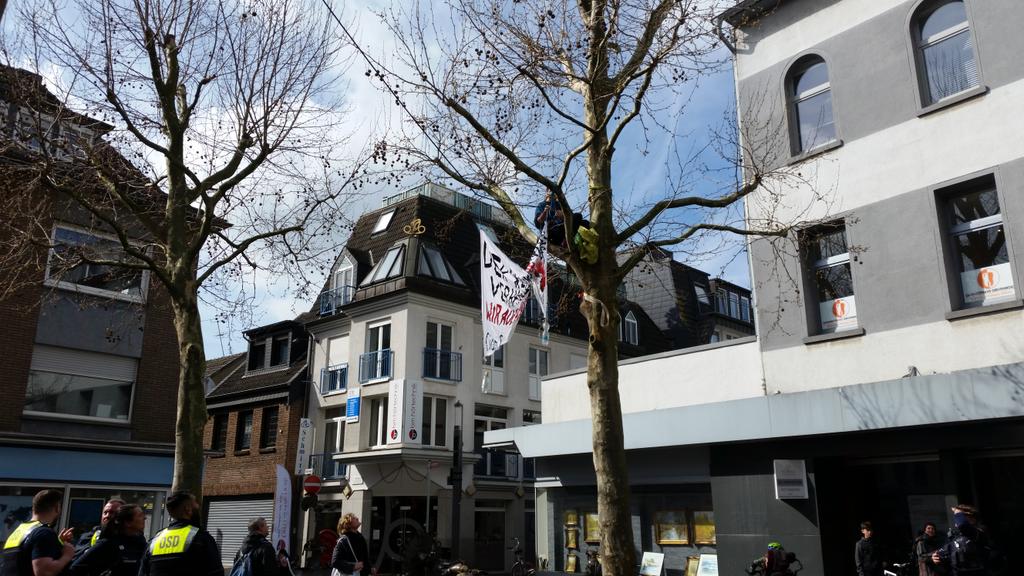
(118, 546)
(967, 549)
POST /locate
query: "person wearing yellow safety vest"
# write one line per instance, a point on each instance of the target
(34, 549)
(89, 538)
(183, 548)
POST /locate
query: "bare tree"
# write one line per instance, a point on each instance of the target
(515, 100)
(217, 155)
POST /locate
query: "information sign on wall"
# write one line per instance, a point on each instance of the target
(305, 443)
(352, 404)
(790, 480)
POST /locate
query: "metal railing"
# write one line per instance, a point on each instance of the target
(497, 464)
(332, 300)
(326, 467)
(442, 364)
(376, 365)
(333, 379)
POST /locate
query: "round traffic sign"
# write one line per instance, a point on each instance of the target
(311, 484)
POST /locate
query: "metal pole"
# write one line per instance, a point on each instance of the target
(427, 522)
(456, 482)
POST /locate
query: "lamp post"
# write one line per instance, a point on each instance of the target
(455, 479)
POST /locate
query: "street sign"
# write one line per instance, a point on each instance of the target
(311, 484)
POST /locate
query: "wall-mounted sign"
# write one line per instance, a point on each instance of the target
(987, 285)
(404, 423)
(352, 403)
(790, 480)
(305, 444)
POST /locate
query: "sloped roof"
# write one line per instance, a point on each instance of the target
(241, 383)
(219, 368)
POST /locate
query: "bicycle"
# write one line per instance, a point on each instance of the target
(520, 567)
(905, 569)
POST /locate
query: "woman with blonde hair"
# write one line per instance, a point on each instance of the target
(351, 554)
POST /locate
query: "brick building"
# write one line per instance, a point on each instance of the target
(255, 404)
(90, 354)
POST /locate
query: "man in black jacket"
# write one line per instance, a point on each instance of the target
(262, 555)
(183, 548)
(867, 553)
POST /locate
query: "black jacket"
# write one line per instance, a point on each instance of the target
(200, 558)
(344, 560)
(868, 556)
(261, 554)
(119, 554)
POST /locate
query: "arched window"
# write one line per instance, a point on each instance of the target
(945, 50)
(631, 329)
(811, 104)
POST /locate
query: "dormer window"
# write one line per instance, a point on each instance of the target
(632, 335)
(389, 267)
(279, 350)
(257, 355)
(383, 221)
(432, 263)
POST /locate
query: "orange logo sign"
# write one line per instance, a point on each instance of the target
(987, 278)
(839, 309)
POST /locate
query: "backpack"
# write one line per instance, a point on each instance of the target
(243, 567)
(776, 561)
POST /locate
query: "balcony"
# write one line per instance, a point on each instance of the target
(442, 364)
(326, 467)
(497, 465)
(333, 379)
(331, 301)
(376, 365)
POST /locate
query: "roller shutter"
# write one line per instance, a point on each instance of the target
(228, 523)
(83, 363)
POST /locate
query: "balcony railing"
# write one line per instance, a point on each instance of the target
(442, 364)
(332, 300)
(376, 365)
(333, 379)
(497, 464)
(326, 467)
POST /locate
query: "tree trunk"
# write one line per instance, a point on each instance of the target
(618, 555)
(191, 419)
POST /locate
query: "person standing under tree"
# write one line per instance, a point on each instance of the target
(183, 548)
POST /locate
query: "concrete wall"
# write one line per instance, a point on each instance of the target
(712, 373)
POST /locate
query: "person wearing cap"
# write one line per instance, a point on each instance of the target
(34, 548)
(183, 548)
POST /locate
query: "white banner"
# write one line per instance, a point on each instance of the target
(839, 314)
(305, 444)
(538, 270)
(504, 288)
(987, 285)
(396, 403)
(282, 511)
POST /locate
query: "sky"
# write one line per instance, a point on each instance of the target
(640, 176)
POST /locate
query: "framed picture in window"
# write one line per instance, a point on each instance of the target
(671, 528)
(704, 527)
(691, 565)
(591, 528)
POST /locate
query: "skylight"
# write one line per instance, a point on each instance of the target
(382, 221)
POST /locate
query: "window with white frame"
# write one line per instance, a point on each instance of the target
(383, 221)
(745, 309)
(979, 246)
(945, 50)
(390, 266)
(376, 363)
(438, 360)
(494, 372)
(632, 334)
(492, 462)
(435, 421)
(811, 104)
(702, 295)
(734, 305)
(538, 370)
(531, 417)
(344, 282)
(76, 384)
(378, 421)
(80, 261)
(829, 258)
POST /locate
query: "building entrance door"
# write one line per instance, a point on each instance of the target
(489, 540)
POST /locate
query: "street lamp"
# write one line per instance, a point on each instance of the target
(455, 479)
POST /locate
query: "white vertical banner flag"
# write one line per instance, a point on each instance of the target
(504, 288)
(538, 270)
(282, 511)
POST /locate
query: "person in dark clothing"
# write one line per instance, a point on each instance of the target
(34, 549)
(262, 555)
(867, 553)
(120, 546)
(351, 554)
(924, 546)
(183, 548)
(967, 553)
(550, 211)
(90, 538)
